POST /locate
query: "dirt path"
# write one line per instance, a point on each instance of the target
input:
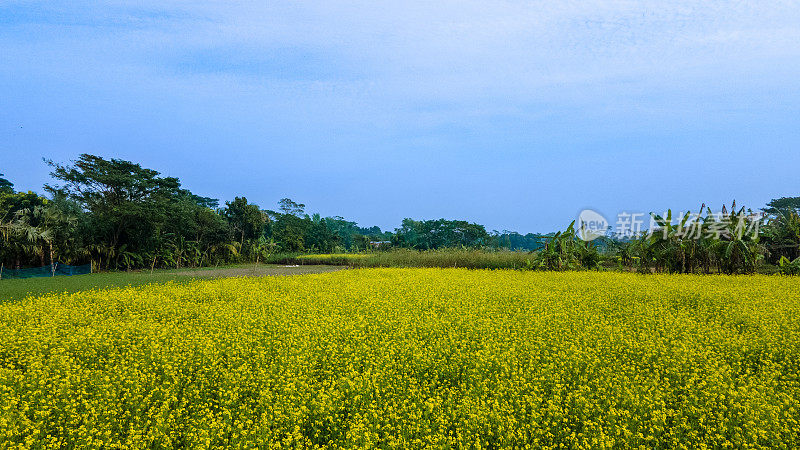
(257, 271)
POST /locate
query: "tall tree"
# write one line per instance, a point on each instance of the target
(782, 205)
(17, 249)
(6, 186)
(245, 218)
(319, 236)
(127, 203)
(287, 206)
(44, 227)
(440, 233)
(782, 229)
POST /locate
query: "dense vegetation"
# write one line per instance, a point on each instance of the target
(447, 257)
(682, 247)
(408, 358)
(119, 215)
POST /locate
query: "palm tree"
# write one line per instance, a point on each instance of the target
(39, 226)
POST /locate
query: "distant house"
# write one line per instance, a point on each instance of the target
(379, 244)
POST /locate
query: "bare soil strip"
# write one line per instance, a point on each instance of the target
(258, 271)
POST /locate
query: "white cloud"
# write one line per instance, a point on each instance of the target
(420, 61)
(363, 93)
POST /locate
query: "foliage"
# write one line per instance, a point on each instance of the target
(781, 205)
(125, 199)
(134, 216)
(565, 251)
(782, 235)
(16, 245)
(46, 229)
(727, 242)
(441, 233)
(6, 187)
(446, 257)
(288, 206)
(408, 358)
(246, 219)
(515, 241)
(788, 267)
(351, 237)
(118, 215)
(290, 231)
(319, 237)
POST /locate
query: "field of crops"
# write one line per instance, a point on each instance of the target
(332, 258)
(444, 258)
(408, 358)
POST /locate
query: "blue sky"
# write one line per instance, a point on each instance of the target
(513, 114)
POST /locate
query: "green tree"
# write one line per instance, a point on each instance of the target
(440, 233)
(6, 187)
(289, 232)
(45, 228)
(782, 205)
(781, 232)
(132, 211)
(781, 236)
(287, 206)
(246, 219)
(318, 236)
(17, 249)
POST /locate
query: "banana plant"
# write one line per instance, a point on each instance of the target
(564, 251)
(127, 259)
(703, 243)
(788, 267)
(737, 251)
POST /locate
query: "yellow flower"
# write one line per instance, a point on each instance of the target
(407, 358)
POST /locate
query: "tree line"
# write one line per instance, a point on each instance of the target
(735, 241)
(116, 215)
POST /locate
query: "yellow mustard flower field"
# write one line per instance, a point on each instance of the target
(408, 358)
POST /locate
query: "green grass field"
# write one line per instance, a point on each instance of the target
(18, 289)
